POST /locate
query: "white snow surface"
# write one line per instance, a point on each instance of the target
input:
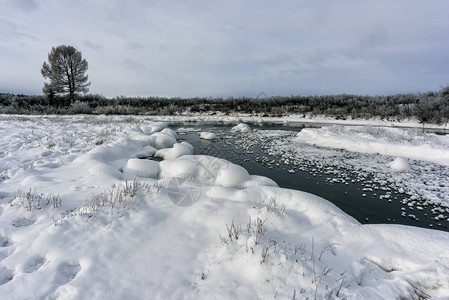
(141, 168)
(113, 239)
(212, 171)
(242, 127)
(178, 150)
(399, 164)
(208, 135)
(412, 144)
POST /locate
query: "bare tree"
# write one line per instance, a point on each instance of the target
(66, 72)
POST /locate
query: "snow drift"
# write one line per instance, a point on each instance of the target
(381, 140)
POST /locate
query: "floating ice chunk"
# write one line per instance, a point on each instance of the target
(399, 164)
(141, 168)
(176, 151)
(241, 127)
(208, 135)
(181, 130)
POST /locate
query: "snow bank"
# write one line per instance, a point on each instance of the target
(141, 168)
(211, 170)
(241, 127)
(208, 135)
(107, 240)
(176, 151)
(407, 143)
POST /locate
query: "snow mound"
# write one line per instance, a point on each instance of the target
(208, 135)
(146, 152)
(212, 171)
(176, 151)
(399, 164)
(242, 127)
(170, 132)
(141, 168)
(231, 175)
(160, 140)
(155, 127)
(402, 142)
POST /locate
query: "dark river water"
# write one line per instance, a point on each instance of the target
(359, 195)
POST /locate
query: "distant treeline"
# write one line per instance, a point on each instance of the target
(431, 107)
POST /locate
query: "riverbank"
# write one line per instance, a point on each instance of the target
(71, 226)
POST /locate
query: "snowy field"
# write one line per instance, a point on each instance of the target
(85, 215)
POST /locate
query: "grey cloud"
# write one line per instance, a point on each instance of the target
(134, 46)
(25, 5)
(215, 48)
(134, 65)
(93, 45)
(10, 31)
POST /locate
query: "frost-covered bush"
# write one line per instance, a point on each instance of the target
(432, 107)
(79, 108)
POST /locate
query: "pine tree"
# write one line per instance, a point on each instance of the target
(66, 72)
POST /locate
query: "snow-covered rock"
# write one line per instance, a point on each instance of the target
(147, 151)
(170, 132)
(141, 168)
(160, 140)
(211, 170)
(154, 127)
(176, 151)
(242, 127)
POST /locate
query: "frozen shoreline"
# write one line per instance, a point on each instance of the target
(252, 119)
(108, 238)
(299, 119)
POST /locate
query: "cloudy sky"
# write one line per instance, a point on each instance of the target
(231, 48)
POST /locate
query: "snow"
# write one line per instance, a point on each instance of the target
(239, 237)
(399, 164)
(212, 171)
(298, 119)
(176, 151)
(208, 135)
(382, 140)
(161, 140)
(241, 127)
(141, 168)
(155, 127)
(147, 151)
